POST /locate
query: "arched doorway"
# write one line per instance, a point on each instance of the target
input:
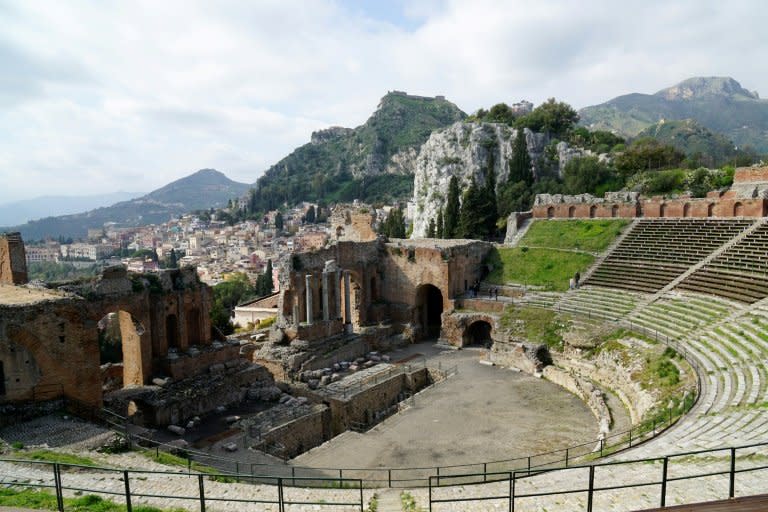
(172, 331)
(663, 210)
(592, 211)
(738, 210)
(687, 210)
(615, 210)
(550, 212)
(477, 333)
(194, 335)
(429, 308)
(571, 212)
(120, 350)
(711, 210)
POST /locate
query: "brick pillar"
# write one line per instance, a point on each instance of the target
(337, 292)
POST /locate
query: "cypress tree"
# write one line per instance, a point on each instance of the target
(431, 229)
(489, 210)
(471, 222)
(520, 164)
(439, 228)
(452, 209)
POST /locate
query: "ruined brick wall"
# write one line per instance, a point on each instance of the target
(13, 260)
(352, 223)
(754, 174)
(61, 335)
(303, 433)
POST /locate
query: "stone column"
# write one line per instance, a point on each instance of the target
(347, 300)
(326, 312)
(296, 319)
(337, 290)
(308, 289)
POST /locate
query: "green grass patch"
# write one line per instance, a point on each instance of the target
(52, 456)
(551, 269)
(584, 235)
(535, 325)
(42, 500)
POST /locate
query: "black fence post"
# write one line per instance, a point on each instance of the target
(293, 475)
(280, 497)
(57, 483)
(602, 443)
(591, 488)
(389, 477)
(732, 482)
(566, 457)
(438, 476)
(485, 471)
(128, 506)
(362, 504)
(512, 500)
(429, 484)
(630, 437)
(341, 483)
(201, 485)
(664, 482)
(529, 465)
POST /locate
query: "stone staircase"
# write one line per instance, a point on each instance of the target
(595, 301)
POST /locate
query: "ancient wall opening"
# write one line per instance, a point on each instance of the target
(687, 210)
(172, 331)
(120, 350)
(592, 211)
(194, 327)
(477, 333)
(738, 210)
(711, 209)
(428, 312)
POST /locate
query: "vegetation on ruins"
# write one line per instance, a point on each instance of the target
(50, 271)
(226, 296)
(549, 269)
(593, 235)
(535, 325)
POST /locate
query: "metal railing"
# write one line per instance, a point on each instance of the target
(279, 487)
(515, 478)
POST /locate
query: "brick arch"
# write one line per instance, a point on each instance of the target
(479, 331)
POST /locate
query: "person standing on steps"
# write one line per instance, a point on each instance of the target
(576, 279)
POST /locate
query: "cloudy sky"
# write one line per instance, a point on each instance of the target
(129, 95)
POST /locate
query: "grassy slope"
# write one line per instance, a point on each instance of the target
(545, 256)
(584, 235)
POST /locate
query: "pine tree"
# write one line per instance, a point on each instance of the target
(452, 208)
(440, 224)
(520, 164)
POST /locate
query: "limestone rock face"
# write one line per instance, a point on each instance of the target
(464, 150)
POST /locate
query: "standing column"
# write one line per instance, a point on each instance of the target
(347, 300)
(326, 312)
(308, 287)
(296, 319)
(337, 289)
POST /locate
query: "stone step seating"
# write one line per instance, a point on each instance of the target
(638, 275)
(657, 251)
(677, 315)
(539, 299)
(727, 282)
(601, 302)
(733, 356)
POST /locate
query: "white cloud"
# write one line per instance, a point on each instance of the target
(100, 96)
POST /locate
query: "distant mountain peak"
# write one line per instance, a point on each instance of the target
(703, 87)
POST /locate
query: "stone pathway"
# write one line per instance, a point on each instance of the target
(389, 501)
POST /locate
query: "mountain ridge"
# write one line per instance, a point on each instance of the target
(202, 189)
(719, 104)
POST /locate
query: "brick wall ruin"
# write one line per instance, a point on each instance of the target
(748, 197)
(13, 260)
(51, 345)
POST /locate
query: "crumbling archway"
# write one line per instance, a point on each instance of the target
(738, 210)
(478, 333)
(120, 345)
(428, 312)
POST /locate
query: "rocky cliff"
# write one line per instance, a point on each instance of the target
(464, 150)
